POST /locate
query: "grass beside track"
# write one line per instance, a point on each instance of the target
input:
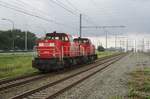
(139, 84)
(105, 53)
(20, 64)
(14, 65)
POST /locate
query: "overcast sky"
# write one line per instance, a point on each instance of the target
(134, 14)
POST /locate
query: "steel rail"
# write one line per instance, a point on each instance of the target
(5, 84)
(32, 93)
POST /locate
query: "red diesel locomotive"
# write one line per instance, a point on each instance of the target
(60, 50)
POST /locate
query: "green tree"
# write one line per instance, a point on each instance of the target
(6, 39)
(100, 48)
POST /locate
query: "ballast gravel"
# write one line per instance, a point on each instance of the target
(111, 83)
(11, 92)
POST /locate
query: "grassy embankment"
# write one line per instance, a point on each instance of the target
(106, 53)
(14, 65)
(139, 84)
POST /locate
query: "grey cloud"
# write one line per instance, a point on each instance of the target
(132, 13)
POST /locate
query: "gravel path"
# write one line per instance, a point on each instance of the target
(111, 84)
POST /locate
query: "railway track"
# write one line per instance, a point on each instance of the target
(3, 81)
(54, 88)
(7, 84)
(19, 81)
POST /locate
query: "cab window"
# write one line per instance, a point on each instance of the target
(56, 38)
(85, 41)
(52, 38)
(65, 38)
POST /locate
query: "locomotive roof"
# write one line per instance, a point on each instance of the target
(56, 34)
(81, 38)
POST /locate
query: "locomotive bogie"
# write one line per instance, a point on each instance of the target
(55, 63)
(46, 65)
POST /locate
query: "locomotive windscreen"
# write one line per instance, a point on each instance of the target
(81, 40)
(57, 36)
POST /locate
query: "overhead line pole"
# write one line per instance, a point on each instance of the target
(135, 46)
(115, 41)
(127, 45)
(106, 38)
(26, 40)
(143, 47)
(103, 27)
(80, 25)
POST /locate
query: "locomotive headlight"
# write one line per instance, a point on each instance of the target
(51, 44)
(41, 44)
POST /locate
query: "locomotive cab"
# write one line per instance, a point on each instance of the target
(53, 46)
(53, 50)
(87, 47)
(86, 44)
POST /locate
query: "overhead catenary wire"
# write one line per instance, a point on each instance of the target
(26, 10)
(25, 4)
(38, 11)
(60, 5)
(86, 17)
(72, 6)
(65, 5)
(37, 16)
(76, 13)
(19, 4)
(12, 5)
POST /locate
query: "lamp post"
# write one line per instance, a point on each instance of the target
(12, 22)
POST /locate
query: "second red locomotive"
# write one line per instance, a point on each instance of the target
(60, 50)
